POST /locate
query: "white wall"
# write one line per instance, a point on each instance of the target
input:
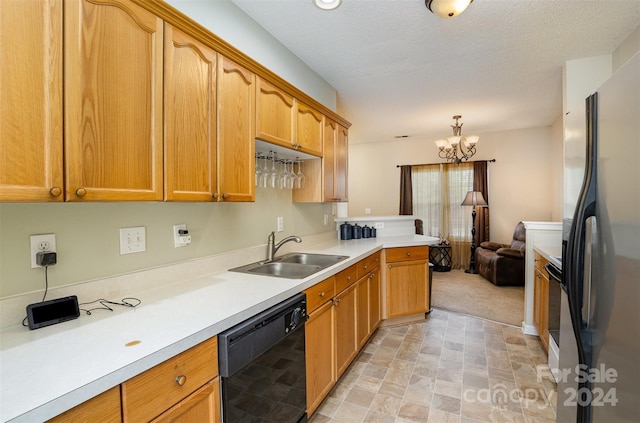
(520, 181)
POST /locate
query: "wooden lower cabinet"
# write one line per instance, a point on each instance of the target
(541, 300)
(201, 406)
(320, 354)
(375, 303)
(103, 408)
(346, 342)
(407, 281)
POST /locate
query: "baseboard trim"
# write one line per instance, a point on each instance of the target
(529, 329)
(403, 320)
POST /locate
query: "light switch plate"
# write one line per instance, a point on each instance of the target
(280, 223)
(133, 240)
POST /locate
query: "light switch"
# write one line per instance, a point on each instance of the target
(132, 240)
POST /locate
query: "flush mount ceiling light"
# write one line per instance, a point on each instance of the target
(327, 4)
(447, 8)
(449, 147)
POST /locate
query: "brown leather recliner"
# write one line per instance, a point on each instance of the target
(503, 264)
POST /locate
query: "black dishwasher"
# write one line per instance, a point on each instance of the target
(262, 366)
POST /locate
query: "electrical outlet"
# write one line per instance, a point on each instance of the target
(280, 223)
(379, 225)
(367, 211)
(46, 242)
(326, 219)
(132, 240)
(181, 239)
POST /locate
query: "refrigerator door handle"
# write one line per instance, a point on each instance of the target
(591, 229)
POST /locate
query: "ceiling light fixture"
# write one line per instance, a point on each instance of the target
(327, 4)
(447, 8)
(449, 147)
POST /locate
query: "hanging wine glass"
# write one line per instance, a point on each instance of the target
(283, 179)
(293, 178)
(273, 175)
(299, 176)
(258, 175)
(264, 177)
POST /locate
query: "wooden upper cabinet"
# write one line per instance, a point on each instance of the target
(334, 172)
(309, 130)
(236, 134)
(275, 114)
(113, 101)
(31, 167)
(189, 118)
(341, 160)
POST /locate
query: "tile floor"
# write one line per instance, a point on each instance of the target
(449, 368)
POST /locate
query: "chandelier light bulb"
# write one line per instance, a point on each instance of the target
(327, 4)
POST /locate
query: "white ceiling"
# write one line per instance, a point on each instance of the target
(400, 70)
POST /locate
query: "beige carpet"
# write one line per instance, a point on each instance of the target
(475, 296)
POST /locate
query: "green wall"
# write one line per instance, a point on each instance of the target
(87, 234)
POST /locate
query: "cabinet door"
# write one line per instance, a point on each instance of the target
(309, 130)
(407, 290)
(31, 100)
(341, 153)
(346, 343)
(375, 310)
(201, 406)
(189, 118)
(329, 161)
(236, 140)
(320, 355)
(103, 408)
(362, 311)
(113, 101)
(275, 114)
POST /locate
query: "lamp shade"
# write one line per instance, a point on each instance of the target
(474, 198)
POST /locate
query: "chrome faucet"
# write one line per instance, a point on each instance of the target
(272, 247)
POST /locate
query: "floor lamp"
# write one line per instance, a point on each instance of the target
(473, 198)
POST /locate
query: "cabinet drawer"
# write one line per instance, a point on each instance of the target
(407, 253)
(346, 278)
(159, 388)
(320, 293)
(368, 264)
(104, 408)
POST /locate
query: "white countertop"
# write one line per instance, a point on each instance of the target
(50, 370)
(552, 252)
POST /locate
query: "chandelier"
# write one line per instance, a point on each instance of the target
(450, 147)
(447, 8)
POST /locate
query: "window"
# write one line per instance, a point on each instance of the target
(437, 193)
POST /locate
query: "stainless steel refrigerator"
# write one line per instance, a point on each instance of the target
(600, 313)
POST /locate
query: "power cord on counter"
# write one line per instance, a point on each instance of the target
(104, 304)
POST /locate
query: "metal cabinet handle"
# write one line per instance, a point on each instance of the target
(321, 294)
(181, 380)
(409, 253)
(81, 192)
(215, 195)
(364, 267)
(224, 195)
(55, 191)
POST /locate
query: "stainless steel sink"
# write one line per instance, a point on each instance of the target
(292, 265)
(323, 260)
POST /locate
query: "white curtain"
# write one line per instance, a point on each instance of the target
(438, 191)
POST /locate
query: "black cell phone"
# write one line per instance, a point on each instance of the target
(51, 312)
